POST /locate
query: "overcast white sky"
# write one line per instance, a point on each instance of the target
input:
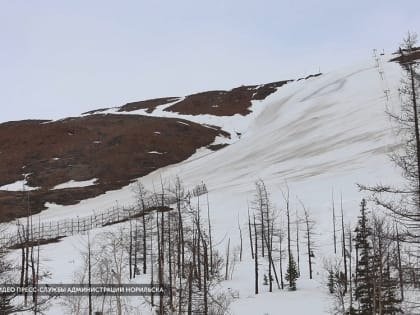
(60, 58)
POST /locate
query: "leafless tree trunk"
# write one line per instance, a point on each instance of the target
(198, 249)
(160, 261)
(281, 258)
(400, 271)
(240, 236)
(23, 258)
(343, 244)
(309, 223)
(210, 236)
(89, 275)
(227, 260)
(334, 225)
(256, 256)
(206, 272)
(190, 281)
(130, 252)
(250, 235)
(289, 249)
(141, 196)
(170, 262)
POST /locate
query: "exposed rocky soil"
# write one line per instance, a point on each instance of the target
(114, 149)
(149, 105)
(218, 103)
(225, 103)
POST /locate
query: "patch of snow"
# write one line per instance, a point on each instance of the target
(75, 183)
(155, 152)
(20, 185)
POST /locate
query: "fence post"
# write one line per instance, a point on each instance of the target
(78, 225)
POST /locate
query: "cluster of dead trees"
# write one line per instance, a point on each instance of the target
(171, 245)
(267, 236)
(26, 272)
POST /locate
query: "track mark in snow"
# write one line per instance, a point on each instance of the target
(332, 87)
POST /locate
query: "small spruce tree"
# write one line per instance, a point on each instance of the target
(265, 280)
(292, 274)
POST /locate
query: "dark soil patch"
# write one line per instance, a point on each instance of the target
(149, 105)
(112, 148)
(96, 111)
(225, 103)
(215, 147)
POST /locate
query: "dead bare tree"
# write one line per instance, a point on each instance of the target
(334, 222)
(250, 235)
(256, 256)
(343, 243)
(240, 237)
(227, 260)
(309, 232)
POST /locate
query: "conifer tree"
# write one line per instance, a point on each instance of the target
(391, 304)
(292, 274)
(364, 285)
(331, 281)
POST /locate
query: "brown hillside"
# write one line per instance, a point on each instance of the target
(112, 148)
(225, 103)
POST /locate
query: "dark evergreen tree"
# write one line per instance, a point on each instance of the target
(391, 304)
(292, 274)
(331, 281)
(364, 287)
(265, 280)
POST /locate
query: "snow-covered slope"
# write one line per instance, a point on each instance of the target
(317, 137)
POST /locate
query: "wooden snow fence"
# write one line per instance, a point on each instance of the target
(42, 232)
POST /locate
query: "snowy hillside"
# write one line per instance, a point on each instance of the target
(317, 137)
